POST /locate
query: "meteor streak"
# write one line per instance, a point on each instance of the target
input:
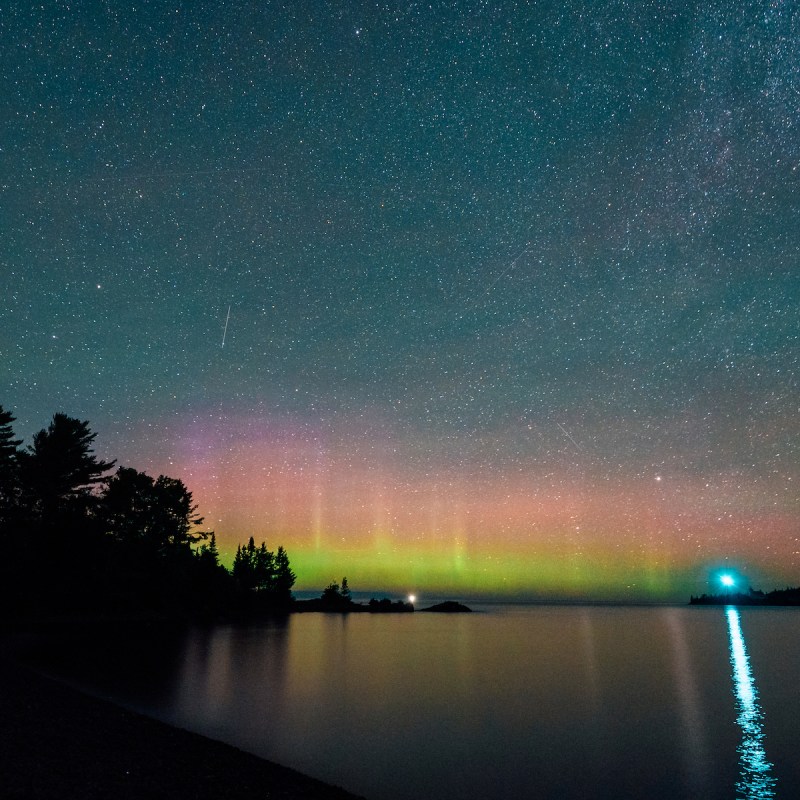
(225, 330)
(567, 434)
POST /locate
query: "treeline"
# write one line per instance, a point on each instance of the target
(777, 597)
(76, 538)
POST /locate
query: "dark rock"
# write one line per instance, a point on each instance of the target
(448, 607)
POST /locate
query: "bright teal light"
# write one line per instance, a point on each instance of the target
(727, 580)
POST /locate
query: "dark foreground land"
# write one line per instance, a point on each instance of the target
(56, 742)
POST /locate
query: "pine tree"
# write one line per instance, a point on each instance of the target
(208, 554)
(284, 577)
(212, 549)
(158, 515)
(178, 513)
(264, 568)
(9, 446)
(241, 567)
(17, 564)
(9, 465)
(60, 468)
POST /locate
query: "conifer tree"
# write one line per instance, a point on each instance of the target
(177, 513)
(284, 576)
(60, 467)
(211, 549)
(9, 465)
(241, 567)
(158, 515)
(208, 554)
(264, 568)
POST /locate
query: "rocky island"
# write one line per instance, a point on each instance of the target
(449, 607)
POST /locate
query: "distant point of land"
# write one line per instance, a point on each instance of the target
(753, 597)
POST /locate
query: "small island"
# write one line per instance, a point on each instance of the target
(449, 607)
(336, 599)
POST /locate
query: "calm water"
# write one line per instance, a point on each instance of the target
(513, 702)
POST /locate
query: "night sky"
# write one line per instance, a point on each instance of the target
(459, 297)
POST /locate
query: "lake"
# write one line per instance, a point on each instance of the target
(510, 702)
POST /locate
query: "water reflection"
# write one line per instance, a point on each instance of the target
(694, 741)
(516, 702)
(756, 781)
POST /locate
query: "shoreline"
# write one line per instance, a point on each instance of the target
(58, 743)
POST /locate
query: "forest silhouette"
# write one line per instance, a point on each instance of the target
(77, 538)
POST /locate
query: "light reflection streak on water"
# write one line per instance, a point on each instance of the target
(756, 782)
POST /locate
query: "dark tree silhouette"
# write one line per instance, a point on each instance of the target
(331, 593)
(244, 567)
(336, 596)
(212, 587)
(264, 570)
(58, 547)
(208, 553)
(257, 569)
(178, 514)
(284, 577)
(157, 515)
(9, 466)
(76, 539)
(128, 507)
(14, 565)
(151, 524)
(59, 470)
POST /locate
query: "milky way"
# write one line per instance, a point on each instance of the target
(508, 293)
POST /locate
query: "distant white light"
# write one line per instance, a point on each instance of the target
(727, 580)
(412, 598)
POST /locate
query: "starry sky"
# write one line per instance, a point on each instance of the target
(480, 298)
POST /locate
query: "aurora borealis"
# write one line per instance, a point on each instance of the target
(512, 288)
